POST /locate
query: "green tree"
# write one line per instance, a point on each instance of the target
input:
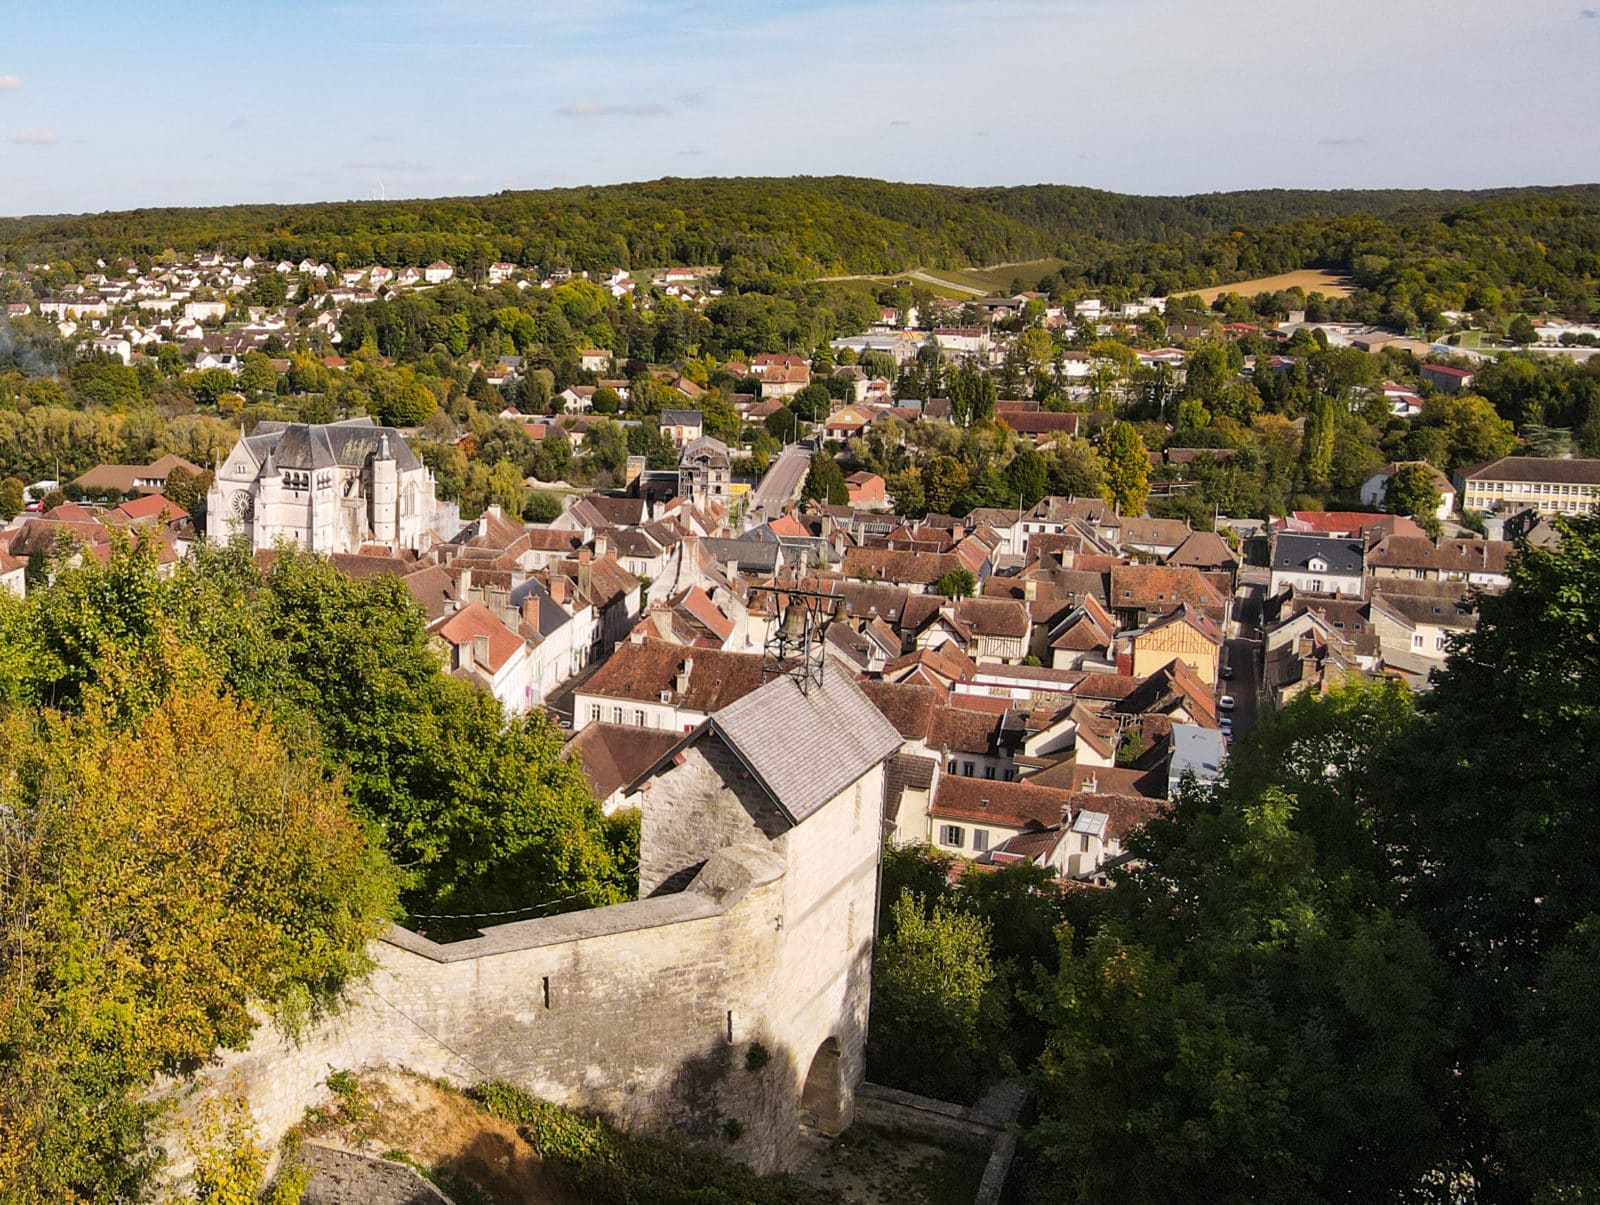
(825, 481)
(1412, 491)
(905, 490)
(1127, 469)
(958, 583)
(1247, 1018)
(1316, 449)
(12, 498)
(187, 488)
(1077, 470)
(257, 375)
(782, 425)
(934, 1015)
(944, 481)
(1505, 746)
(506, 488)
(119, 822)
(409, 406)
(1028, 476)
(1521, 331)
(813, 403)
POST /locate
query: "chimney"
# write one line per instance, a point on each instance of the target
(480, 650)
(559, 587)
(1091, 785)
(1030, 589)
(602, 544)
(464, 584)
(585, 556)
(682, 683)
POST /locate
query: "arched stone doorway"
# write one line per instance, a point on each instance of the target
(822, 1105)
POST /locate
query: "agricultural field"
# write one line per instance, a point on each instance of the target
(1312, 280)
(997, 279)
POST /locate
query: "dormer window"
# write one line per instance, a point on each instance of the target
(1317, 565)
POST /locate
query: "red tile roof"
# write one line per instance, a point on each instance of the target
(473, 620)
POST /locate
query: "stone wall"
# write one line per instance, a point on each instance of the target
(643, 1013)
(705, 802)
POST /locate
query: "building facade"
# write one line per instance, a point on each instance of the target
(705, 471)
(1549, 486)
(328, 488)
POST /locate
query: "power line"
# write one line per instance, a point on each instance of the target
(505, 912)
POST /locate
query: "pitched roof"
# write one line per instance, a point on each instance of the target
(1204, 550)
(474, 620)
(1164, 532)
(960, 730)
(1115, 780)
(433, 588)
(1161, 587)
(350, 443)
(1456, 556)
(645, 670)
(1008, 804)
(1537, 468)
(1184, 614)
(993, 616)
(909, 706)
(122, 476)
(805, 747)
(884, 564)
(1295, 552)
(1348, 523)
(148, 507)
(614, 755)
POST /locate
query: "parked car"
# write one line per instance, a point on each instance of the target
(1226, 724)
(1227, 671)
(1225, 703)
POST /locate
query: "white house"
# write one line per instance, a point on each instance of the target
(1317, 564)
(482, 649)
(437, 272)
(1376, 487)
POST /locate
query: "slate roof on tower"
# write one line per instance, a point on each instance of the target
(805, 748)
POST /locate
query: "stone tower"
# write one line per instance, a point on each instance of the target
(385, 493)
(270, 493)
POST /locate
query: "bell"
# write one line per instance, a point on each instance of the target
(794, 621)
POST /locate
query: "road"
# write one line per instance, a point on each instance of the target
(1242, 651)
(559, 700)
(782, 483)
(918, 274)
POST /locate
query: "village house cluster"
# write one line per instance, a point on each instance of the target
(1089, 663)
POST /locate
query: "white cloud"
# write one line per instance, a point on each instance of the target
(10, 83)
(594, 108)
(34, 137)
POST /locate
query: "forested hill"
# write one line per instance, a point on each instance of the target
(759, 230)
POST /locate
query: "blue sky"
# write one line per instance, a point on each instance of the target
(108, 106)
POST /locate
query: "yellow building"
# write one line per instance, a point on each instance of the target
(1184, 635)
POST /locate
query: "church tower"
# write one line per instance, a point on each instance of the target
(385, 494)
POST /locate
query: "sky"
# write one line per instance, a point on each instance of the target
(115, 106)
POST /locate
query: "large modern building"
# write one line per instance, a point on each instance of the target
(330, 488)
(1551, 487)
